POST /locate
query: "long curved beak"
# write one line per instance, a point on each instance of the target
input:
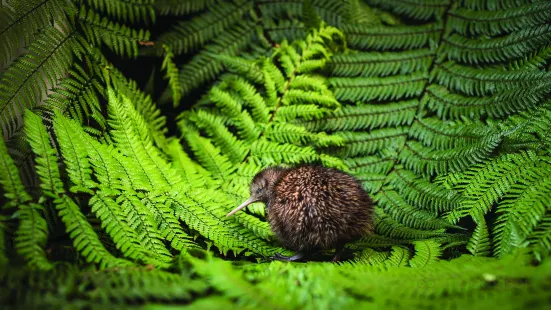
(243, 205)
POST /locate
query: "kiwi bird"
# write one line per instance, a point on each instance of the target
(312, 208)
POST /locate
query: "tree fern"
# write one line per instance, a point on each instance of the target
(241, 27)
(41, 56)
(440, 108)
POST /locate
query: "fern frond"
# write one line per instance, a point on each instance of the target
(119, 38)
(523, 206)
(399, 210)
(32, 234)
(143, 104)
(172, 75)
(426, 253)
(380, 64)
(329, 11)
(219, 166)
(228, 280)
(131, 135)
(189, 35)
(189, 170)
(485, 184)
(143, 221)
(178, 7)
(387, 226)
(513, 46)
(202, 211)
(529, 130)
(428, 161)
(422, 193)
(204, 66)
(365, 116)
(467, 21)
(75, 156)
(420, 10)
(23, 85)
(242, 67)
(77, 95)
(385, 88)
(289, 133)
(84, 238)
(450, 105)
(167, 223)
(388, 38)
(47, 167)
(12, 188)
(483, 82)
(432, 132)
(360, 12)
(541, 239)
(132, 11)
(480, 243)
(362, 143)
(116, 225)
(22, 19)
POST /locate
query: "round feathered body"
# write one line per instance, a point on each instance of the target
(312, 208)
(318, 208)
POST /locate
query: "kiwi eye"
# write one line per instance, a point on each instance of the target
(259, 190)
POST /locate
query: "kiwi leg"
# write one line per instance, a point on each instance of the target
(338, 251)
(298, 256)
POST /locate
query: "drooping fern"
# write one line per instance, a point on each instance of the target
(424, 117)
(49, 53)
(245, 28)
(440, 108)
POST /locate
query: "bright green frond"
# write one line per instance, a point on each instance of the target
(426, 252)
(31, 236)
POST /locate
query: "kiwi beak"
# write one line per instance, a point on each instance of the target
(243, 205)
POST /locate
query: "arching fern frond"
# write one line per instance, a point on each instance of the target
(132, 11)
(172, 75)
(471, 21)
(84, 238)
(503, 48)
(21, 20)
(189, 35)
(23, 84)
(420, 10)
(119, 38)
(389, 38)
(32, 234)
(426, 252)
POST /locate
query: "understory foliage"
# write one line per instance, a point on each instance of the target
(440, 108)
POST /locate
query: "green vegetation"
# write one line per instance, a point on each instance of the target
(116, 193)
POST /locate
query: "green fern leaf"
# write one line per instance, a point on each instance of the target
(426, 252)
(32, 234)
(84, 238)
(133, 11)
(22, 19)
(22, 85)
